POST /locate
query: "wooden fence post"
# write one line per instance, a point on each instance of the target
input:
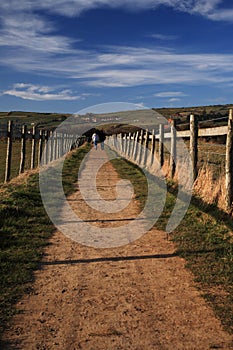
(40, 151)
(46, 151)
(146, 147)
(115, 141)
(33, 153)
(229, 162)
(135, 149)
(125, 144)
(161, 145)
(121, 143)
(141, 143)
(56, 145)
(129, 146)
(23, 149)
(152, 150)
(51, 142)
(62, 144)
(9, 150)
(194, 144)
(173, 149)
(133, 145)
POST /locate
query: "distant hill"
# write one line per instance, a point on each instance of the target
(207, 115)
(116, 122)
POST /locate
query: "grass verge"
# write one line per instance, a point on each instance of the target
(204, 238)
(24, 232)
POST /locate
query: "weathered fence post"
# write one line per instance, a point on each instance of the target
(23, 149)
(125, 144)
(121, 143)
(40, 151)
(46, 151)
(51, 141)
(62, 144)
(161, 145)
(152, 150)
(129, 146)
(133, 145)
(9, 150)
(55, 136)
(33, 153)
(114, 141)
(229, 162)
(173, 149)
(135, 149)
(141, 143)
(146, 147)
(194, 144)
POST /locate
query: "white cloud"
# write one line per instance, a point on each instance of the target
(163, 37)
(32, 32)
(70, 8)
(23, 27)
(41, 51)
(166, 94)
(174, 99)
(41, 93)
(127, 66)
(222, 15)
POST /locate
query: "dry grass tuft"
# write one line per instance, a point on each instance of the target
(209, 187)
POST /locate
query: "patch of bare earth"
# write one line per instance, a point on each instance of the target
(138, 296)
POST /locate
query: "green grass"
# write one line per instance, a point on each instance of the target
(24, 232)
(131, 172)
(204, 238)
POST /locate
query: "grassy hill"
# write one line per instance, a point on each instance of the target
(116, 122)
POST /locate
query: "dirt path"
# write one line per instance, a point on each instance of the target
(138, 296)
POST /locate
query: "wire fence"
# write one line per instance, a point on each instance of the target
(22, 149)
(211, 162)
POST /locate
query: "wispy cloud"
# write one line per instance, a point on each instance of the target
(173, 100)
(207, 8)
(222, 15)
(23, 28)
(127, 66)
(163, 37)
(41, 93)
(33, 33)
(41, 51)
(167, 94)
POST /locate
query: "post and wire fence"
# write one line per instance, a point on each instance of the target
(147, 147)
(26, 150)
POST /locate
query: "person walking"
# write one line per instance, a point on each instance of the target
(95, 139)
(102, 138)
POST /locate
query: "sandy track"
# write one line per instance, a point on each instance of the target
(138, 296)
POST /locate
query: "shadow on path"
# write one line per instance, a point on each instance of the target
(106, 259)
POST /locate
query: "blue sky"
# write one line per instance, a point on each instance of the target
(66, 55)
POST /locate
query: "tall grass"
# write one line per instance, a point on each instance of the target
(211, 188)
